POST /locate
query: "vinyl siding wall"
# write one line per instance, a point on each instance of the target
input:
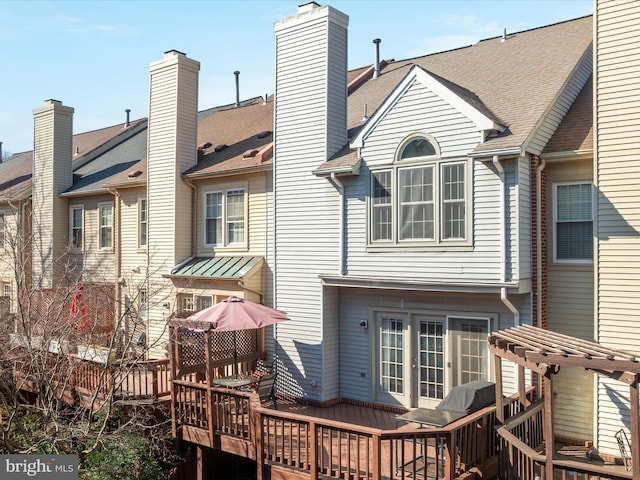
(96, 265)
(307, 242)
(570, 311)
(255, 190)
(419, 110)
(171, 150)
(617, 175)
(51, 176)
(357, 345)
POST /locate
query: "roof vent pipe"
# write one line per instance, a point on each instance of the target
(237, 74)
(1, 152)
(376, 67)
(127, 111)
(504, 35)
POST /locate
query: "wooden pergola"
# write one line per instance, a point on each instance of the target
(544, 352)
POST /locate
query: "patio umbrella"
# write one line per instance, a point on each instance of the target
(233, 314)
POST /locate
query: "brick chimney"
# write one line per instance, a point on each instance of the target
(52, 175)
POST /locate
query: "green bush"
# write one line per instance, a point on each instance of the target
(126, 457)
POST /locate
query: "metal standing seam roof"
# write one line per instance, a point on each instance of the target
(217, 267)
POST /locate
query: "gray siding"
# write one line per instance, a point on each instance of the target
(420, 110)
(310, 95)
(357, 345)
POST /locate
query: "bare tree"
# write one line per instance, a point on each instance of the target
(73, 372)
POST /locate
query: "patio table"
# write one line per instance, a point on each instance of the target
(234, 382)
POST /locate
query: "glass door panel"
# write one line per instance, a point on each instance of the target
(430, 361)
(470, 355)
(393, 374)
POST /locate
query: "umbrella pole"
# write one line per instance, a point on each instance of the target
(235, 354)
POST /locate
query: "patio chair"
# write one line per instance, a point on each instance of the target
(266, 389)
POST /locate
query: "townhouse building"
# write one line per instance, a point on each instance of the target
(398, 213)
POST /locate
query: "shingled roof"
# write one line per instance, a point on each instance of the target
(517, 80)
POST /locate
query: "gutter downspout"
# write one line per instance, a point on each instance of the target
(117, 251)
(541, 167)
(503, 242)
(338, 184)
(193, 215)
(503, 249)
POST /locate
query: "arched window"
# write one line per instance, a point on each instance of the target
(419, 147)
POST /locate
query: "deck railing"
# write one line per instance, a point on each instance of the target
(123, 380)
(521, 453)
(320, 448)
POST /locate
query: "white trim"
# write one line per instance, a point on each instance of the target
(223, 242)
(417, 74)
(555, 223)
(436, 241)
(100, 207)
(72, 247)
(139, 223)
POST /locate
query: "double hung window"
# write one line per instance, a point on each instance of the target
(420, 199)
(142, 223)
(573, 222)
(76, 214)
(105, 214)
(225, 215)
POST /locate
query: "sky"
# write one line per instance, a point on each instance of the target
(94, 55)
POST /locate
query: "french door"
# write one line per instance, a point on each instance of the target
(421, 356)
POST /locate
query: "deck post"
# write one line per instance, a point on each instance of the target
(257, 431)
(174, 370)
(547, 384)
(522, 392)
(449, 457)
(208, 374)
(201, 470)
(377, 456)
(499, 404)
(635, 426)
(313, 454)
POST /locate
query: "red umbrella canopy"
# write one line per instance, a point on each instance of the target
(236, 313)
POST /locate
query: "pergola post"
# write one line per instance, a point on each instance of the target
(499, 404)
(635, 425)
(547, 384)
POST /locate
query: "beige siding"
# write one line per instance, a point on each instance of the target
(97, 265)
(617, 102)
(171, 149)
(255, 187)
(51, 176)
(570, 311)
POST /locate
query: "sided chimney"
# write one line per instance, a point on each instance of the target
(52, 175)
(311, 63)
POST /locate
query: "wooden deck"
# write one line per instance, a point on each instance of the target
(522, 453)
(91, 384)
(344, 441)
